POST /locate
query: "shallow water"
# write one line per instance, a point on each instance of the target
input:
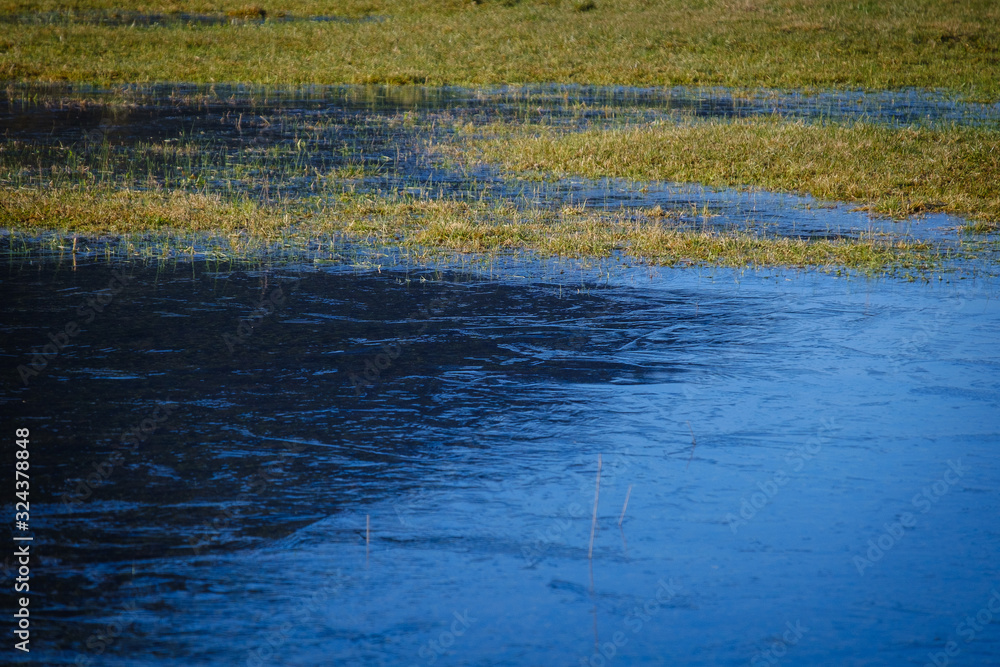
(275, 144)
(126, 18)
(463, 417)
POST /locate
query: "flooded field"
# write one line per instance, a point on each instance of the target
(325, 144)
(346, 452)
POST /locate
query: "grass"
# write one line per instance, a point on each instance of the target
(802, 44)
(429, 226)
(889, 171)
(252, 12)
(105, 211)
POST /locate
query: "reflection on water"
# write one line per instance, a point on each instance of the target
(210, 444)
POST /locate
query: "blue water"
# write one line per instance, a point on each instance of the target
(768, 425)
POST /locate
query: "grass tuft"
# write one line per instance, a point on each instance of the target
(248, 13)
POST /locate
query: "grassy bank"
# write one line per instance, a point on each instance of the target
(430, 227)
(739, 43)
(890, 171)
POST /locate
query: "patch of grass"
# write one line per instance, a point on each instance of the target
(889, 171)
(108, 211)
(353, 171)
(982, 227)
(930, 44)
(248, 12)
(437, 226)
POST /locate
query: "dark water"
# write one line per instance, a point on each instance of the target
(127, 18)
(546, 102)
(462, 417)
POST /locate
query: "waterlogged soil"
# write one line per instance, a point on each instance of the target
(305, 466)
(325, 143)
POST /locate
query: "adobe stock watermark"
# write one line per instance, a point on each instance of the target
(555, 532)
(99, 642)
(634, 621)
(930, 327)
(435, 648)
(779, 649)
(99, 134)
(304, 610)
(382, 361)
(104, 639)
(417, 501)
(128, 443)
(880, 545)
(769, 489)
(88, 311)
(212, 530)
(405, 508)
(264, 309)
(967, 629)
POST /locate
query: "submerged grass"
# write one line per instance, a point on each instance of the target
(889, 171)
(428, 227)
(810, 44)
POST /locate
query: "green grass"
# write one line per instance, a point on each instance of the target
(889, 171)
(434, 227)
(931, 44)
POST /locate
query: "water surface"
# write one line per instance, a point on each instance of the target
(768, 425)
